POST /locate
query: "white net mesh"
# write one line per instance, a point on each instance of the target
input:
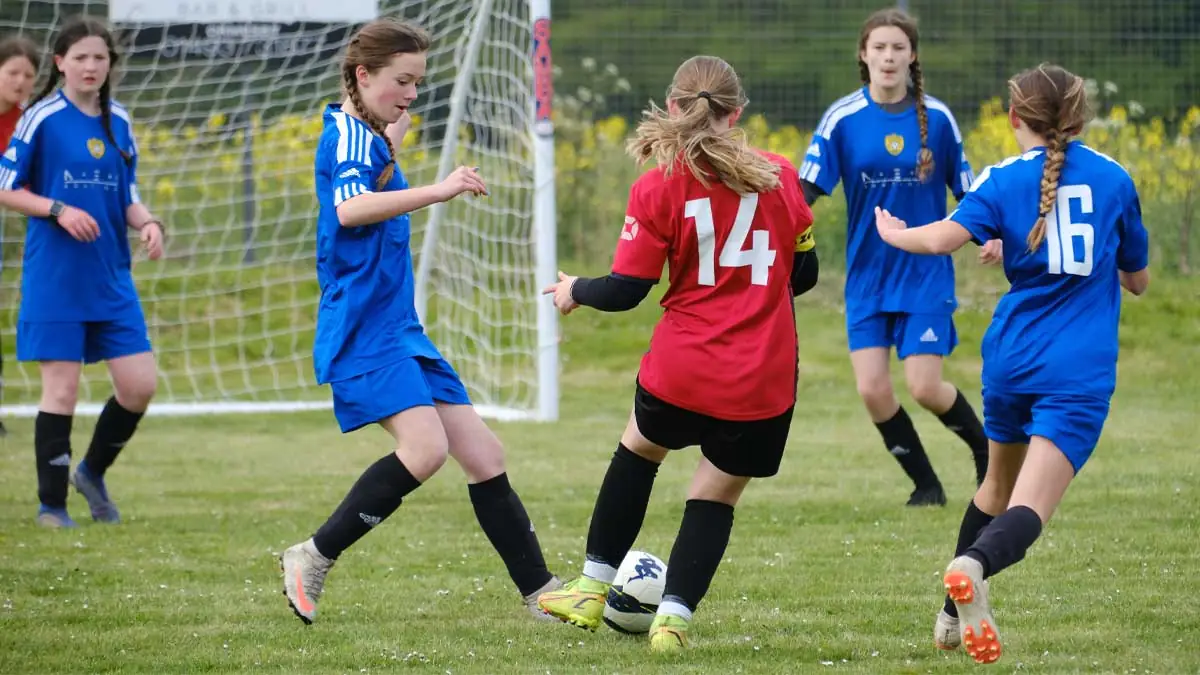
(227, 136)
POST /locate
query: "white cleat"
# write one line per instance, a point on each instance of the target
(946, 634)
(304, 570)
(965, 585)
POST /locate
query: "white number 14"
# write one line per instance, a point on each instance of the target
(759, 257)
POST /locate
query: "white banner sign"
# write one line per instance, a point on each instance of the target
(239, 11)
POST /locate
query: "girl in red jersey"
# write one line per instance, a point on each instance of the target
(19, 61)
(732, 224)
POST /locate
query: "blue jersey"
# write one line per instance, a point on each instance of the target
(873, 154)
(60, 152)
(367, 318)
(1055, 331)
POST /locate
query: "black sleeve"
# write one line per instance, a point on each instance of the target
(811, 191)
(804, 271)
(613, 293)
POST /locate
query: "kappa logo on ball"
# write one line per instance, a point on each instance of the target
(630, 229)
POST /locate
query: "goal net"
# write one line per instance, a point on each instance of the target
(226, 98)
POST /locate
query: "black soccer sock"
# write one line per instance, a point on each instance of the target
(1004, 542)
(113, 430)
(52, 448)
(703, 536)
(375, 495)
(620, 507)
(962, 420)
(973, 523)
(506, 524)
(901, 439)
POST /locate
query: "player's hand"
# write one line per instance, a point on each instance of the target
(992, 252)
(152, 240)
(397, 130)
(463, 179)
(886, 223)
(562, 293)
(79, 224)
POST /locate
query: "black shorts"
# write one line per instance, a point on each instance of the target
(751, 448)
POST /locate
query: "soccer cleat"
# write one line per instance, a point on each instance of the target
(94, 491)
(965, 586)
(946, 633)
(927, 496)
(531, 600)
(579, 602)
(304, 570)
(668, 633)
(54, 518)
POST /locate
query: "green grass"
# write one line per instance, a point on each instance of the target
(826, 571)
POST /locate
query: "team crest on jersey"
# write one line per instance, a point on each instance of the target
(894, 143)
(96, 147)
(630, 229)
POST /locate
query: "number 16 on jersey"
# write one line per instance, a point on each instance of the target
(759, 257)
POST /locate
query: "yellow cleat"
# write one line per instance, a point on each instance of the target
(579, 602)
(668, 634)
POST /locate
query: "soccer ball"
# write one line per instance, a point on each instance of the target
(636, 591)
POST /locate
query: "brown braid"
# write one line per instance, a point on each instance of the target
(1056, 142)
(925, 156)
(1051, 102)
(380, 130)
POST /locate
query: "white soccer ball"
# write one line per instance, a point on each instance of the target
(636, 591)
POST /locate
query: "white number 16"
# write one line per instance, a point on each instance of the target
(759, 257)
(1061, 232)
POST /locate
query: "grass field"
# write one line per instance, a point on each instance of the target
(827, 571)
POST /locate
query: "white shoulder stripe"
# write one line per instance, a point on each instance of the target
(843, 107)
(1103, 156)
(934, 104)
(33, 117)
(354, 140)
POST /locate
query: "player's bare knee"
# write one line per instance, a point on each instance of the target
(59, 397)
(485, 460)
(135, 393)
(424, 456)
(927, 392)
(713, 485)
(877, 395)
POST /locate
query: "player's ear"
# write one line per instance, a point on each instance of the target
(58, 61)
(735, 116)
(1013, 119)
(672, 106)
(362, 75)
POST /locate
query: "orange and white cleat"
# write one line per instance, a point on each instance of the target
(304, 570)
(965, 585)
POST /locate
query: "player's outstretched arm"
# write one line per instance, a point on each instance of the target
(940, 238)
(370, 208)
(613, 293)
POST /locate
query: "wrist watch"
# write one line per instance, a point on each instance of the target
(56, 209)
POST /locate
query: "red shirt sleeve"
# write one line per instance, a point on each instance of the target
(642, 249)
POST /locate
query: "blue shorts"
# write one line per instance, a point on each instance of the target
(1070, 421)
(377, 395)
(910, 334)
(82, 341)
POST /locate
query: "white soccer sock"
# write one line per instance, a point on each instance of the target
(602, 572)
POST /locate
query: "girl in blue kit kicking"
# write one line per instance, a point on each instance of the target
(1071, 226)
(370, 346)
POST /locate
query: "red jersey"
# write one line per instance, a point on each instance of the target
(726, 344)
(8, 124)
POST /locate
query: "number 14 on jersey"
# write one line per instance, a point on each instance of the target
(759, 257)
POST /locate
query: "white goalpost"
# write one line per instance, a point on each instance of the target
(227, 98)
